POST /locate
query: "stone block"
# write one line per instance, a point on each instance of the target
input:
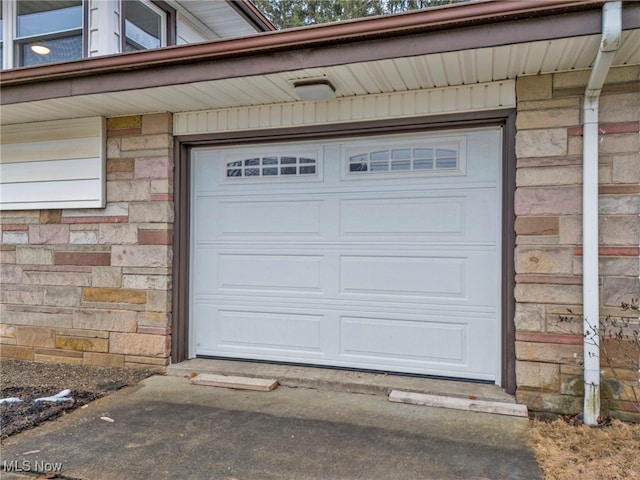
(7, 331)
(617, 290)
(529, 317)
(154, 319)
(619, 204)
(139, 360)
(7, 256)
(156, 141)
(128, 190)
(62, 296)
(111, 360)
(533, 87)
(10, 273)
(620, 143)
(537, 225)
(164, 185)
(155, 237)
(151, 212)
(548, 200)
(549, 353)
(557, 117)
(36, 316)
(544, 376)
(34, 255)
(50, 216)
(571, 79)
(157, 123)
(542, 176)
(105, 320)
(15, 238)
(56, 278)
(17, 352)
(117, 234)
(142, 345)
(538, 401)
(562, 322)
(82, 344)
(619, 266)
(113, 295)
(158, 301)
(83, 237)
(124, 123)
(566, 102)
(541, 143)
(626, 169)
(570, 230)
(82, 258)
(76, 332)
(120, 165)
(146, 282)
(623, 107)
(153, 167)
(141, 256)
(58, 356)
(555, 260)
(35, 336)
(619, 230)
(48, 234)
(548, 293)
(106, 277)
(113, 209)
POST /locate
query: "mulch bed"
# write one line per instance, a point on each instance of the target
(30, 380)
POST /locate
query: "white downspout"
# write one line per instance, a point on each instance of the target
(611, 32)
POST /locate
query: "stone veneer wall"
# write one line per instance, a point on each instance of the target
(93, 286)
(548, 257)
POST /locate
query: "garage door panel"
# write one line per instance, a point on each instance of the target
(292, 217)
(276, 331)
(274, 272)
(412, 341)
(405, 276)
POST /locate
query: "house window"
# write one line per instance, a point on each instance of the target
(145, 26)
(35, 32)
(423, 159)
(272, 166)
(47, 32)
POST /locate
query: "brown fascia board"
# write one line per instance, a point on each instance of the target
(250, 12)
(160, 67)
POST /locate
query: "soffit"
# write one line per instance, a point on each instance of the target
(360, 78)
(219, 17)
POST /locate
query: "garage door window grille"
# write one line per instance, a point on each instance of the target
(272, 166)
(420, 159)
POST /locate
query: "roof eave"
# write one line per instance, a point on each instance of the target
(408, 23)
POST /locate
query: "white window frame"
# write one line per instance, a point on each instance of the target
(153, 8)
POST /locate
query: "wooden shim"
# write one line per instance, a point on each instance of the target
(484, 406)
(242, 383)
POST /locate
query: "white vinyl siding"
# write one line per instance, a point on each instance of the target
(58, 164)
(436, 101)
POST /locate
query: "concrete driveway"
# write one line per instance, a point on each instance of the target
(166, 428)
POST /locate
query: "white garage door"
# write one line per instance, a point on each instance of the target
(374, 253)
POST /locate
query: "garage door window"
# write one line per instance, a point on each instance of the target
(441, 158)
(272, 166)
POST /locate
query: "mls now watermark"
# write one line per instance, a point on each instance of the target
(25, 465)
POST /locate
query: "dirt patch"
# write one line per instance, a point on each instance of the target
(30, 380)
(567, 452)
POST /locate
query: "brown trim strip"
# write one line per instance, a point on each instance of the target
(183, 145)
(490, 14)
(250, 12)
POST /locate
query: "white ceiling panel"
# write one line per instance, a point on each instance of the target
(351, 80)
